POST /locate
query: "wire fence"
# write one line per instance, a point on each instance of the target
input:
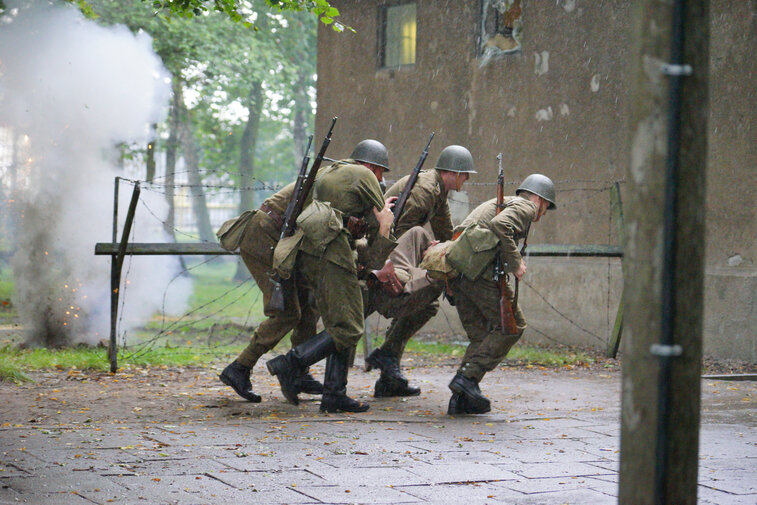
(572, 192)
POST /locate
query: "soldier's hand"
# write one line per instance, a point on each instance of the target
(521, 271)
(385, 218)
(431, 244)
(390, 202)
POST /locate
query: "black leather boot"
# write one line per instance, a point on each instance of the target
(238, 377)
(288, 367)
(468, 389)
(335, 397)
(309, 384)
(458, 405)
(377, 359)
(387, 387)
(391, 382)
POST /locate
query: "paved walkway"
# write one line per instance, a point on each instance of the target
(180, 437)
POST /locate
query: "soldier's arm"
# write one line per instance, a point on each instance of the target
(417, 209)
(511, 222)
(378, 246)
(441, 223)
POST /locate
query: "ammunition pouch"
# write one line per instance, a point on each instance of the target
(473, 251)
(232, 231)
(387, 280)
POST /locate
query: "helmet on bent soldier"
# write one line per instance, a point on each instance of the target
(455, 159)
(540, 185)
(373, 152)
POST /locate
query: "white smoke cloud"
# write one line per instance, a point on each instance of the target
(70, 90)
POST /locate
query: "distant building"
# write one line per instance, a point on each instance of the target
(546, 84)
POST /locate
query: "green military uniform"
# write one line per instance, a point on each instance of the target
(475, 290)
(325, 257)
(256, 249)
(427, 203)
(259, 238)
(486, 236)
(327, 263)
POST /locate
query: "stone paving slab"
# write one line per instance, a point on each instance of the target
(341, 494)
(551, 438)
(465, 493)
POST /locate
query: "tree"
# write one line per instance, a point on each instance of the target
(266, 72)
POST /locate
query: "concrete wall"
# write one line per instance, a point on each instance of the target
(558, 107)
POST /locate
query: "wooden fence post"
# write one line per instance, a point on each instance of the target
(117, 262)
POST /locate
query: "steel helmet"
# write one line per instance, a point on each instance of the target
(371, 151)
(455, 159)
(540, 185)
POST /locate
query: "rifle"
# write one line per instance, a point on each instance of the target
(301, 176)
(294, 207)
(399, 205)
(506, 311)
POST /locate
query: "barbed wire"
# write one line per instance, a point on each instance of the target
(180, 274)
(592, 193)
(268, 186)
(262, 187)
(172, 227)
(555, 309)
(206, 171)
(145, 346)
(551, 339)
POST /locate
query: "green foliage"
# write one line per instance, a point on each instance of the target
(236, 10)
(6, 284)
(325, 12)
(236, 81)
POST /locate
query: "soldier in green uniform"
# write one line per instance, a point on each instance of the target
(260, 236)
(476, 291)
(427, 203)
(346, 196)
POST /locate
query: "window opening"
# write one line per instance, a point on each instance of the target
(399, 28)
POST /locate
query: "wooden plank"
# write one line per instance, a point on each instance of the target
(577, 251)
(617, 330)
(732, 377)
(115, 278)
(157, 249)
(616, 206)
(206, 248)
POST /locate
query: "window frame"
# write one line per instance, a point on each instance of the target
(381, 35)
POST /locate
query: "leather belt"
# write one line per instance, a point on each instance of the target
(273, 214)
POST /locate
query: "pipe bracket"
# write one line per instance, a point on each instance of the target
(666, 351)
(673, 70)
